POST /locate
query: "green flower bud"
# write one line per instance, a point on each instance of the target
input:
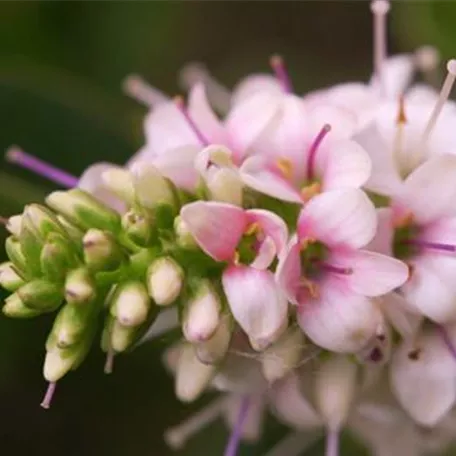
(122, 337)
(83, 210)
(15, 308)
(14, 225)
(9, 277)
(139, 227)
(31, 245)
(71, 324)
(101, 251)
(73, 232)
(164, 280)
(183, 236)
(39, 294)
(42, 220)
(130, 304)
(14, 252)
(80, 286)
(57, 257)
(120, 182)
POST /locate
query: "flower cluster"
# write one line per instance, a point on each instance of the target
(305, 245)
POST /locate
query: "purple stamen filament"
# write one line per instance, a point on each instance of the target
(332, 443)
(313, 150)
(109, 364)
(281, 73)
(48, 396)
(235, 437)
(431, 245)
(19, 157)
(198, 133)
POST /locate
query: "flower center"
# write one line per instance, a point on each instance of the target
(249, 244)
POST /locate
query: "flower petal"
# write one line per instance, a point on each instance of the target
(256, 303)
(383, 239)
(339, 217)
(288, 272)
(339, 320)
(423, 376)
(216, 227)
(254, 84)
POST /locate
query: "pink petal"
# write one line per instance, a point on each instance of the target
(430, 191)
(204, 117)
(216, 227)
(383, 239)
(256, 303)
(254, 84)
(288, 272)
(372, 274)
(347, 166)
(256, 174)
(340, 217)
(177, 165)
(339, 320)
(265, 255)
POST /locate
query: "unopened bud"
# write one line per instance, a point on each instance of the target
(13, 225)
(83, 210)
(151, 187)
(73, 232)
(202, 314)
(165, 279)
(101, 251)
(225, 185)
(15, 308)
(184, 237)
(42, 220)
(130, 304)
(283, 356)
(120, 182)
(139, 227)
(213, 350)
(192, 376)
(9, 277)
(122, 337)
(71, 324)
(80, 287)
(39, 294)
(57, 257)
(14, 252)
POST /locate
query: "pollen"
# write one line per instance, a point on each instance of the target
(253, 228)
(309, 191)
(285, 167)
(236, 257)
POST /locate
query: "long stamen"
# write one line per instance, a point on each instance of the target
(138, 89)
(109, 364)
(177, 436)
(443, 97)
(17, 156)
(49, 395)
(380, 10)
(313, 150)
(281, 73)
(447, 340)
(332, 442)
(235, 437)
(198, 133)
(336, 269)
(294, 444)
(431, 245)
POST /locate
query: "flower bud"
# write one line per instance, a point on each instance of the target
(283, 356)
(122, 337)
(202, 314)
(83, 210)
(101, 251)
(164, 280)
(130, 304)
(335, 389)
(14, 252)
(15, 308)
(80, 287)
(213, 350)
(192, 376)
(70, 324)
(225, 185)
(139, 227)
(9, 278)
(183, 235)
(39, 294)
(57, 257)
(120, 182)
(42, 220)
(14, 224)
(151, 187)
(73, 232)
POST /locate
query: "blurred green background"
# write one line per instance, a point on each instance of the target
(61, 68)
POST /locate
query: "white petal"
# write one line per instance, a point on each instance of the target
(254, 84)
(288, 272)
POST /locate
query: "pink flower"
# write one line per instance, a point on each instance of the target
(331, 279)
(248, 240)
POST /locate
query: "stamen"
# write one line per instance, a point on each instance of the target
(281, 73)
(294, 444)
(138, 89)
(313, 150)
(285, 167)
(235, 437)
(306, 241)
(443, 97)
(109, 364)
(309, 191)
(253, 228)
(311, 287)
(176, 437)
(49, 395)
(431, 245)
(380, 10)
(17, 156)
(335, 269)
(198, 133)
(447, 340)
(332, 442)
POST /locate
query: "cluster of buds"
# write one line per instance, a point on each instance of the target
(304, 245)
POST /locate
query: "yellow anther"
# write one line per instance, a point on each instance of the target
(401, 117)
(403, 220)
(311, 287)
(253, 228)
(305, 242)
(236, 258)
(285, 167)
(309, 191)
